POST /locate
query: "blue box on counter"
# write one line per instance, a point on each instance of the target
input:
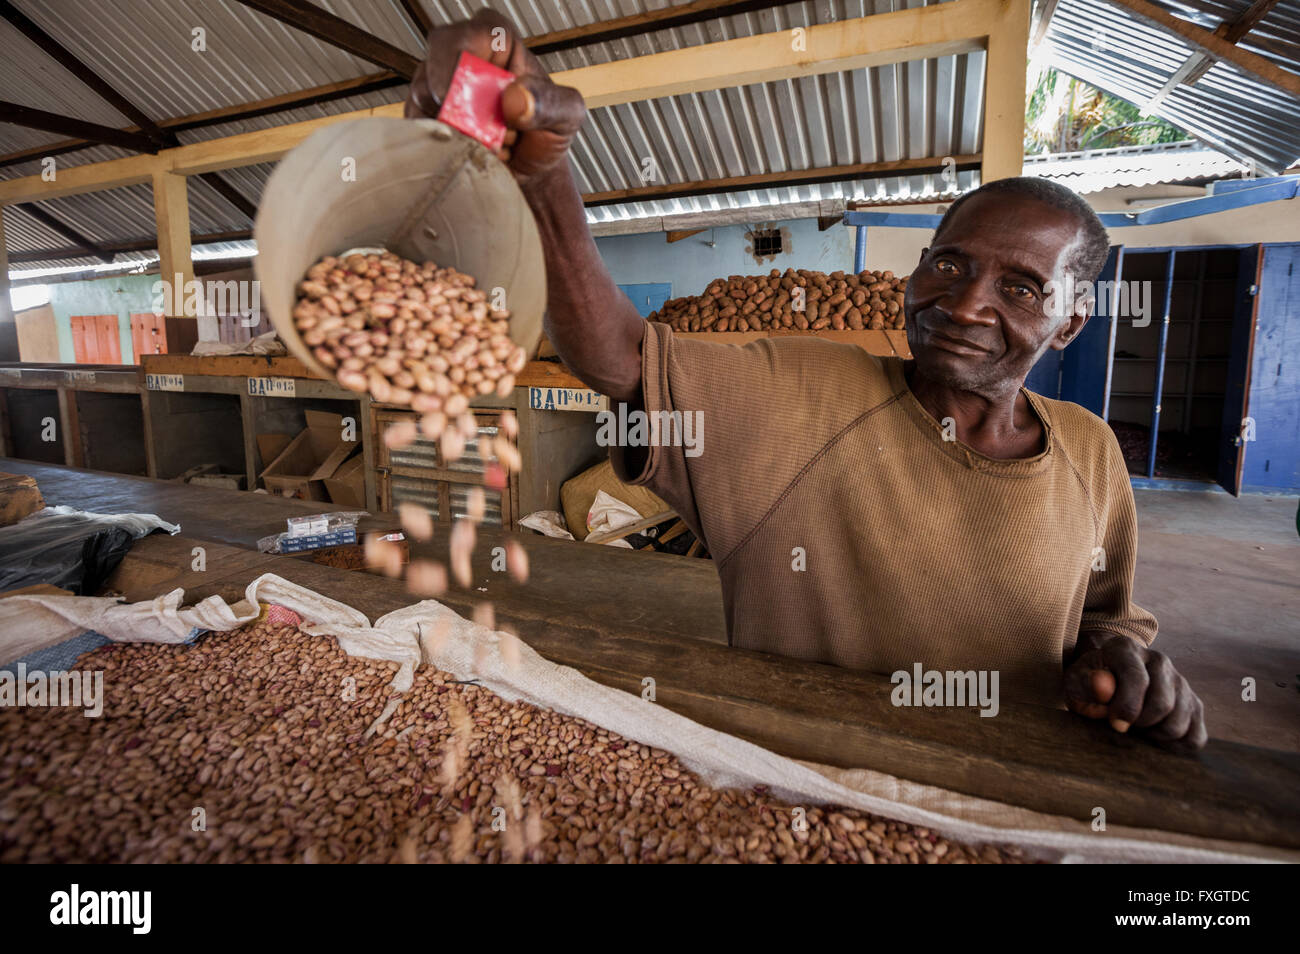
(317, 540)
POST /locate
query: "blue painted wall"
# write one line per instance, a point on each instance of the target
(689, 265)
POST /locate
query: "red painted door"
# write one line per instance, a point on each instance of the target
(148, 335)
(95, 339)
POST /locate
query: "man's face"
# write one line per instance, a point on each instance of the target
(977, 305)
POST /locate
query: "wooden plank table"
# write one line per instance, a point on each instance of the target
(619, 616)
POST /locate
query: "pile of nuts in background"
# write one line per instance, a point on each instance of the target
(840, 301)
(253, 745)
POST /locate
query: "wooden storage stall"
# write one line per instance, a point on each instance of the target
(28, 414)
(244, 396)
(97, 413)
(264, 415)
(194, 428)
(419, 474)
(110, 429)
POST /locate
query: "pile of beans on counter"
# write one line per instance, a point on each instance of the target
(840, 301)
(252, 745)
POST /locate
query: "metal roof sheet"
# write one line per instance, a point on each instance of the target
(1097, 169)
(1113, 49)
(921, 109)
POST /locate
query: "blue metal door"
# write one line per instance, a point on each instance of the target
(1084, 367)
(648, 297)
(1272, 459)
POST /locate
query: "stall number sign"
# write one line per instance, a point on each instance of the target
(271, 387)
(566, 399)
(164, 382)
(83, 377)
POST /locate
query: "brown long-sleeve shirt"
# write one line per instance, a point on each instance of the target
(845, 529)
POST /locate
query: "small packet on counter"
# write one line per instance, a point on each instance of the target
(313, 531)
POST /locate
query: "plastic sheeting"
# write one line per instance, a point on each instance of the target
(69, 548)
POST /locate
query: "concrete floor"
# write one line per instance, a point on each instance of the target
(1222, 576)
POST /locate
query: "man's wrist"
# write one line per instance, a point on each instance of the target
(550, 187)
(1091, 639)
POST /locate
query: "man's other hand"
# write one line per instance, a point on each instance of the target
(541, 117)
(1117, 678)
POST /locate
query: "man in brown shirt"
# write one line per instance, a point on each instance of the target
(869, 512)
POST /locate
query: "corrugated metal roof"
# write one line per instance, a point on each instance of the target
(1276, 37)
(912, 110)
(144, 48)
(1115, 50)
(1098, 169)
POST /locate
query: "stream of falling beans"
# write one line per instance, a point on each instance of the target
(424, 337)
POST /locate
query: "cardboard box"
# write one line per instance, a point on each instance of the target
(270, 446)
(348, 485)
(301, 468)
(19, 497)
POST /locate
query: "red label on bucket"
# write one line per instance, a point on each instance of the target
(473, 101)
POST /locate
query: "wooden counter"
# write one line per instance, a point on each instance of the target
(618, 616)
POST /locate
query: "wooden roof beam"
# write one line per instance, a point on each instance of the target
(1216, 46)
(67, 126)
(1233, 32)
(70, 62)
(777, 180)
(84, 245)
(637, 24)
(903, 35)
(328, 92)
(130, 245)
(419, 19)
(338, 32)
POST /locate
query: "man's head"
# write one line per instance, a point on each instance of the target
(987, 297)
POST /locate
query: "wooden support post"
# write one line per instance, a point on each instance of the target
(175, 266)
(8, 325)
(248, 422)
(70, 427)
(146, 412)
(369, 451)
(1004, 93)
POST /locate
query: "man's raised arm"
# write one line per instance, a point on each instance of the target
(592, 325)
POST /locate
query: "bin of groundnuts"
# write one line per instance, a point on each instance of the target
(399, 258)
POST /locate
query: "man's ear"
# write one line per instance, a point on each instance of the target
(1071, 327)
